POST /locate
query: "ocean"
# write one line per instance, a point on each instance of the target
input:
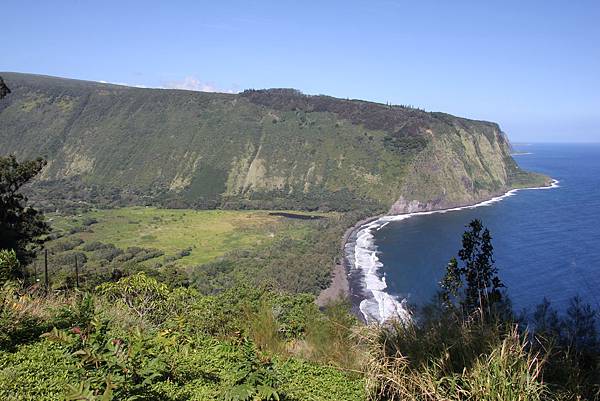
(546, 241)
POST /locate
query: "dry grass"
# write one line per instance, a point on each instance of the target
(34, 303)
(508, 370)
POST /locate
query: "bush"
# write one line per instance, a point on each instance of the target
(95, 245)
(23, 317)
(574, 347)
(66, 244)
(125, 367)
(10, 268)
(40, 371)
(330, 336)
(143, 295)
(68, 259)
(88, 221)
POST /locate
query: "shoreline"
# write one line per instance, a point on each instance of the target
(348, 281)
(340, 286)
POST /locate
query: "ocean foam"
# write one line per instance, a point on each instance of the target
(380, 306)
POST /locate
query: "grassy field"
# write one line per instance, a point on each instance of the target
(209, 233)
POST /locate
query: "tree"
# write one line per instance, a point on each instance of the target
(3, 89)
(9, 265)
(21, 227)
(474, 283)
(580, 326)
(546, 320)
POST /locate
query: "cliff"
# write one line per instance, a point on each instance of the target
(271, 148)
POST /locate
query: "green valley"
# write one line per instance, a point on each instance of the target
(206, 235)
(212, 249)
(190, 234)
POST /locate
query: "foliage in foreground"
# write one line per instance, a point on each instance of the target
(138, 339)
(21, 227)
(462, 363)
(467, 345)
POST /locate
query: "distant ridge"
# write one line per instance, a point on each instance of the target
(274, 148)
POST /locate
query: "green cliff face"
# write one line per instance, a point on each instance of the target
(273, 148)
(464, 163)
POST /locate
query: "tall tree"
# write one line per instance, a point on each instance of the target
(21, 227)
(3, 89)
(473, 282)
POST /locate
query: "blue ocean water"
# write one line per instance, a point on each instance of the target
(546, 242)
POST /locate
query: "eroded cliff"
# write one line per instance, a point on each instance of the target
(258, 149)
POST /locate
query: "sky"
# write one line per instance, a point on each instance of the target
(531, 66)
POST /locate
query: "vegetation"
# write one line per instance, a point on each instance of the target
(210, 233)
(138, 338)
(467, 345)
(178, 304)
(208, 250)
(267, 149)
(142, 336)
(4, 90)
(21, 227)
(478, 276)
(10, 267)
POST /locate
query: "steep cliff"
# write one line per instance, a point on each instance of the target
(468, 164)
(272, 148)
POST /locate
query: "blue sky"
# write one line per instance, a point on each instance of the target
(532, 66)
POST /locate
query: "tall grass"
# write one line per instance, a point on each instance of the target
(263, 329)
(25, 314)
(463, 361)
(510, 372)
(330, 337)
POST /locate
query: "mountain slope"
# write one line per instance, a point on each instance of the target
(273, 148)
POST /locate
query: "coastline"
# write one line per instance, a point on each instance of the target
(349, 281)
(340, 286)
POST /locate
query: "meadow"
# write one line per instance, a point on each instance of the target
(208, 233)
(209, 249)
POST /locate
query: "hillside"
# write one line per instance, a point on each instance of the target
(272, 148)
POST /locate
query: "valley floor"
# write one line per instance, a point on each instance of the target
(208, 234)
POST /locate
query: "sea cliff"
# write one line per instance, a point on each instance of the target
(277, 148)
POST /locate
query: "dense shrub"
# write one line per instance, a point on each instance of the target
(66, 244)
(10, 267)
(94, 246)
(24, 316)
(88, 221)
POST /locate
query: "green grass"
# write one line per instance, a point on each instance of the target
(211, 249)
(209, 233)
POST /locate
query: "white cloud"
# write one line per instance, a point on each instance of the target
(120, 84)
(192, 83)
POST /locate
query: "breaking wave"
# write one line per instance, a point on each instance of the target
(378, 305)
